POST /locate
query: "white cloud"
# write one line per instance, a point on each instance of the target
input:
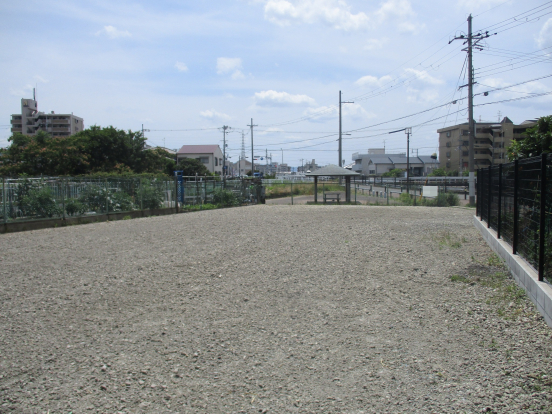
(113, 32)
(273, 98)
(423, 76)
(545, 35)
(422, 96)
(237, 75)
(215, 116)
(335, 13)
(40, 79)
(181, 67)
(395, 8)
(327, 113)
(225, 65)
(369, 80)
(478, 4)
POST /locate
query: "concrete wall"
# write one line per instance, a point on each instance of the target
(526, 277)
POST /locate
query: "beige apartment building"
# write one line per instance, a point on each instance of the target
(491, 141)
(30, 121)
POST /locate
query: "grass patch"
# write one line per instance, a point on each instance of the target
(448, 239)
(459, 278)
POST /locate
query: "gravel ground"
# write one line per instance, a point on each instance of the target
(278, 309)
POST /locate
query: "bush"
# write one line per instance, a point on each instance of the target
(41, 202)
(149, 195)
(225, 198)
(74, 207)
(405, 198)
(442, 200)
(102, 200)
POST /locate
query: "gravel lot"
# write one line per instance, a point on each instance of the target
(278, 309)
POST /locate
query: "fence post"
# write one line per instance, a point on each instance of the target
(387, 193)
(63, 199)
(489, 199)
(499, 218)
(176, 193)
(291, 192)
(4, 199)
(477, 196)
(542, 234)
(516, 209)
(445, 184)
(106, 198)
(141, 193)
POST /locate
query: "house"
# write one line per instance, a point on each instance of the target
(210, 155)
(490, 143)
(377, 162)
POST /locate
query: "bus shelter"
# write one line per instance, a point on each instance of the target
(333, 171)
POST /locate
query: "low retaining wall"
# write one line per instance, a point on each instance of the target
(526, 277)
(16, 226)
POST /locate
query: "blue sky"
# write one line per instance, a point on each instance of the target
(184, 69)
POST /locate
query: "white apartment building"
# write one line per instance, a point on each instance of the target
(30, 121)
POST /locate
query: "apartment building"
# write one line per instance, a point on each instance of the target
(30, 121)
(491, 141)
(377, 162)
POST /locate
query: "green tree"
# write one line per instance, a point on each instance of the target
(396, 172)
(536, 141)
(438, 172)
(191, 166)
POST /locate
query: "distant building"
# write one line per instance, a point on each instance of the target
(377, 162)
(241, 168)
(308, 166)
(30, 121)
(210, 155)
(491, 141)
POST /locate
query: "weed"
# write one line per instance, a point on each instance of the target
(458, 278)
(127, 218)
(494, 260)
(446, 238)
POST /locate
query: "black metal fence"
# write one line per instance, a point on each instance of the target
(515, 200)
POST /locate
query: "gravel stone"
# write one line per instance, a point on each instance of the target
(270, 309)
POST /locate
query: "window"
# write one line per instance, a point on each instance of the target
(466, 143)
(448, 164)
(448, 134)
(448, 154)
(465, 132)
(465, 153)
(448, 143)
(216, 162)
(371, 171)
(204, 160)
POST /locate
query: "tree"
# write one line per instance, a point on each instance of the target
(191, 167)
(438, 172)
(537, 140)
(94, 150)
(396, 172)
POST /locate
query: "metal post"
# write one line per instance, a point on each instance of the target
(516, 208)
(499, 218)
(471, 148)
(387, 193)
(408, 131)
(106, 198)
(4, 202)
(489, 196)
(542, 217)
(291, 192)
(63, 199)
(316, 189)
(141, 194)
(176, 193)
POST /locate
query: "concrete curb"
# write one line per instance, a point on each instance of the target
(526, 277)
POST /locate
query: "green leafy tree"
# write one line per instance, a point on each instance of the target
(191, 167)
(438, 172)
(537, 140)
(396, 172)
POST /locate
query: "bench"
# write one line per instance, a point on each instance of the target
(331, 197)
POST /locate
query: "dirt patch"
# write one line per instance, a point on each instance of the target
(315, 309)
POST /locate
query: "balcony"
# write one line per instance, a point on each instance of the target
(16, 128)
(61, 129)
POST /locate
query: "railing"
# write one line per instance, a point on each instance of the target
(515, 200)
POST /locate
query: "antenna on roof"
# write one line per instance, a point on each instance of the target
(34, 94)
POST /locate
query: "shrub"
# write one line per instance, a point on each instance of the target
(74, 207)
(102, 200)
(225, 198)
(405, 198)
(41, 202)
(149, 195)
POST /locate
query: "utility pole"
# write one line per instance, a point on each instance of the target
(144, 130)
(224, 128)
(340, 132)
(252, 159)
(471, 41)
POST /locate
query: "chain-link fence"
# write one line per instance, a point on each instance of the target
(515, 200)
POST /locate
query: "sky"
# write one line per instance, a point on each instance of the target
(185, 69)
